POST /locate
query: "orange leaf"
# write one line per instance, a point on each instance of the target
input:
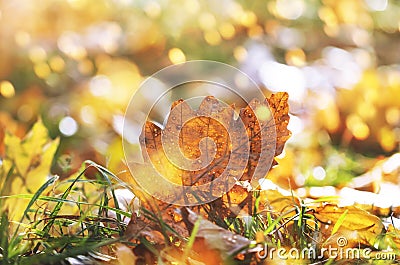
(125, 255)
(197, 147)
(278, 104)
(212, 239)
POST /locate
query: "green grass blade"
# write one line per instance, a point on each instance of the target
(106, 173)
(4, 225)
(60, 200)
(6, 181)
(34, 198)
(51, 258)
(192, 238)
(339, 222)
(38, 193)
(58, 206)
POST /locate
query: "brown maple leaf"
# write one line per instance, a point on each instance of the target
(197, 147)
(278, 104)
(211, 149)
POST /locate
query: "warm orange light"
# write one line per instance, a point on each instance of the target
(212, 37)
(295, 57)
(37, 54)
(248, 19)
(7, 89)
(176, 56)
(392, 115)
(327, 15)
(240, 53)
(42, 70)
(255, 31)
(358, 127)
(387, 139)
(227, 31)
(57, 64)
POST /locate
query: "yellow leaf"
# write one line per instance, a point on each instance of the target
(115, 156)
(15, 153)
(23, 152)
(32, 158)
(358, 226)
(35, 139)
(125, 255)
(36, 177)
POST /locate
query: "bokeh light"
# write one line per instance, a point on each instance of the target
(76, 64)
(176, 56)
(68, 126)
(7, 89)
(290, 9)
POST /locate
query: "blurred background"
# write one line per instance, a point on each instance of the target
(75, 64)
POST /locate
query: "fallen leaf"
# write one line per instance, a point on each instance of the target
(144, 255)
(32, 157)
(205, 253)
(166, 213)
(393, 237)
(278, 104)
(358, 226)
(195, 148)
(277, 203)
(125, 255)
(199, 146)
(212, 236)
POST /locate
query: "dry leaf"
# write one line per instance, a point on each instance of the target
(238, 200)
(125, 255)
(138, 226)
(211, 236)
(278, 204)
(199, 146)
(278, 104)
(144, 255)
(186, 141)
(199, 254)
(358, 227)
(205, 253)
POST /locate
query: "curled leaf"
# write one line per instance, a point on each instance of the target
(216, 237)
